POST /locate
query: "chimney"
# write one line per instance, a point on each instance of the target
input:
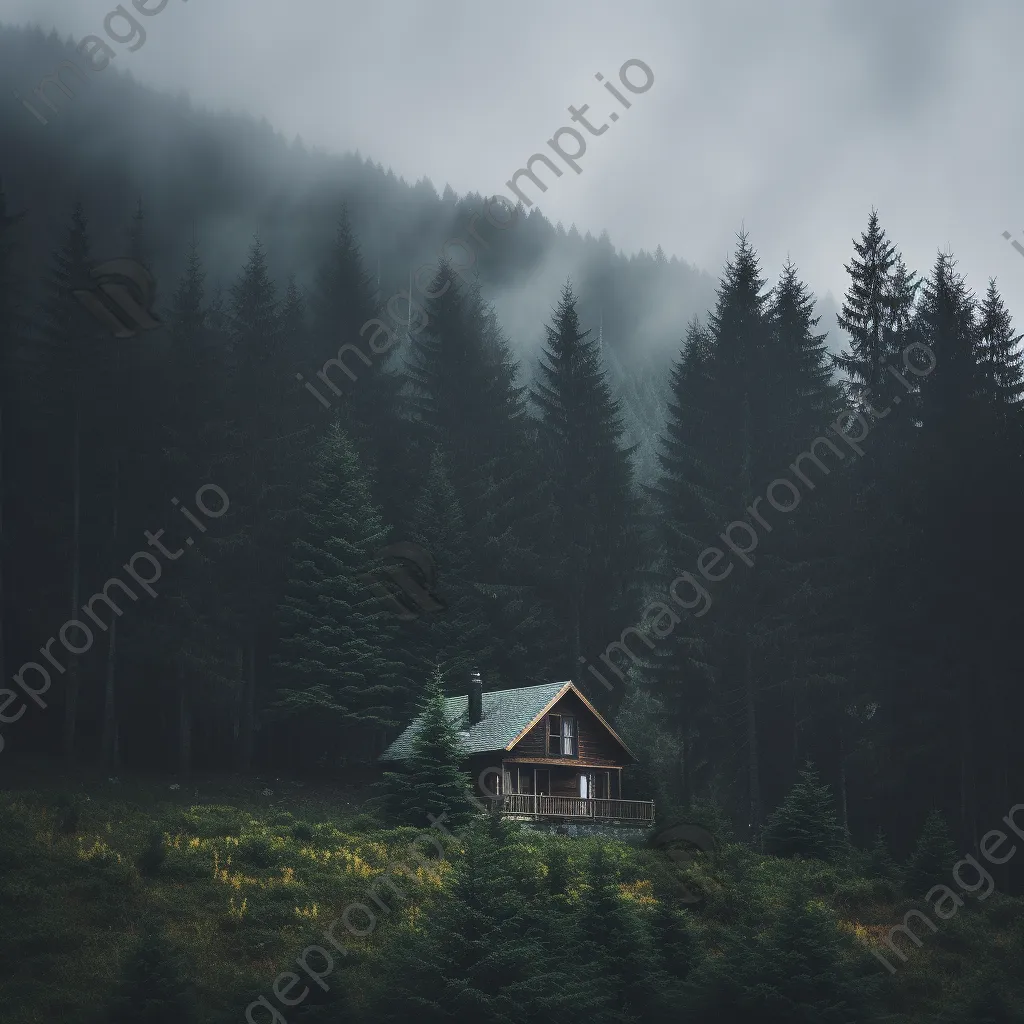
(476, 698)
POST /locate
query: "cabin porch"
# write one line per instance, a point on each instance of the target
(547, 789)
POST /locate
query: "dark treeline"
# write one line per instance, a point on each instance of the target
(871, 633)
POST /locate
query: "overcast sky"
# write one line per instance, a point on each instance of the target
(792, 118)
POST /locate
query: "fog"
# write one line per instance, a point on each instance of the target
(790, 119)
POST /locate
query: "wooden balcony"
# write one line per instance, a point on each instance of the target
(633, 812)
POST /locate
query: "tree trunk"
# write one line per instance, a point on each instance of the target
(246, 710)
(843, 809)
(753, 769)
(3, 552)
(686, 771)
(109, 741)
(574, 635)
(749, 682)
(71, 692)
(184, 727)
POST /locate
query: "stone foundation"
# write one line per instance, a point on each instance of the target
(623, 832)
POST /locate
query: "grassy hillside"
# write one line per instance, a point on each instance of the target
(251, 876)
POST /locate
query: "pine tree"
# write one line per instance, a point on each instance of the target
(262, 467)
(617, 945)
(589, 486)
(715, 459)
(675, 946)
(985, 1001)
(868, 306)
(488, 951)
(678, 671)
(947, 324)
(466, 398)
(1001, 354)
(344, 683)
(455, 636)
(75, 351)
(808, 397)
(190, 631)
(11, 331)
(805, 822)
(807, 647)
(154, 987)
(933, 856)
(431, 781)
(798, 971)
(880, 863)
(366, 397)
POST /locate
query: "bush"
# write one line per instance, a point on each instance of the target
(365, 823)
(153, 988)
(302, 833)
(711, 815)
(325, 834)
(69, 814)
(153, 856)
(259, 848)
(210, 821)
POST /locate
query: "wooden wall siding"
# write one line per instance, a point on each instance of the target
(480, 763)
(594, 744)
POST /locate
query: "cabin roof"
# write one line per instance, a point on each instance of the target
(507, 716)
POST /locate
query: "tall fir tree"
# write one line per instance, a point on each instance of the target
(362, 385)
(344, 683)
(592, 548)
(75, 350)
(867, 306)
(12, 330)
(189, 632)
(1001, 355)
(466, 398)
(456, 635)
(262, 464)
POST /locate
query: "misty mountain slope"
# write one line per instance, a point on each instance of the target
(114, 141)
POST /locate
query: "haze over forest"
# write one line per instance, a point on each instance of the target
(714, 410)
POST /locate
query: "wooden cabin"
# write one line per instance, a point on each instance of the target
(539, 752)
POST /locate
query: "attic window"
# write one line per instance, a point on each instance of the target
(561, 736)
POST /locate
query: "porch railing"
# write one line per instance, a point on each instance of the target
(544, 806)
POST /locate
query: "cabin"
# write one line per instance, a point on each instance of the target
(539, 752)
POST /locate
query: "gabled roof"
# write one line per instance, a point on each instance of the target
(508, 715)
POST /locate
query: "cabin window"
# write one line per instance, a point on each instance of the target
(561, 736)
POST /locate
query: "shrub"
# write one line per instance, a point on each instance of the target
(153, 856)
(258, 849)
(69, 814)
(302, 833)
(365, 823)
(210, 821)
(153, 988)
